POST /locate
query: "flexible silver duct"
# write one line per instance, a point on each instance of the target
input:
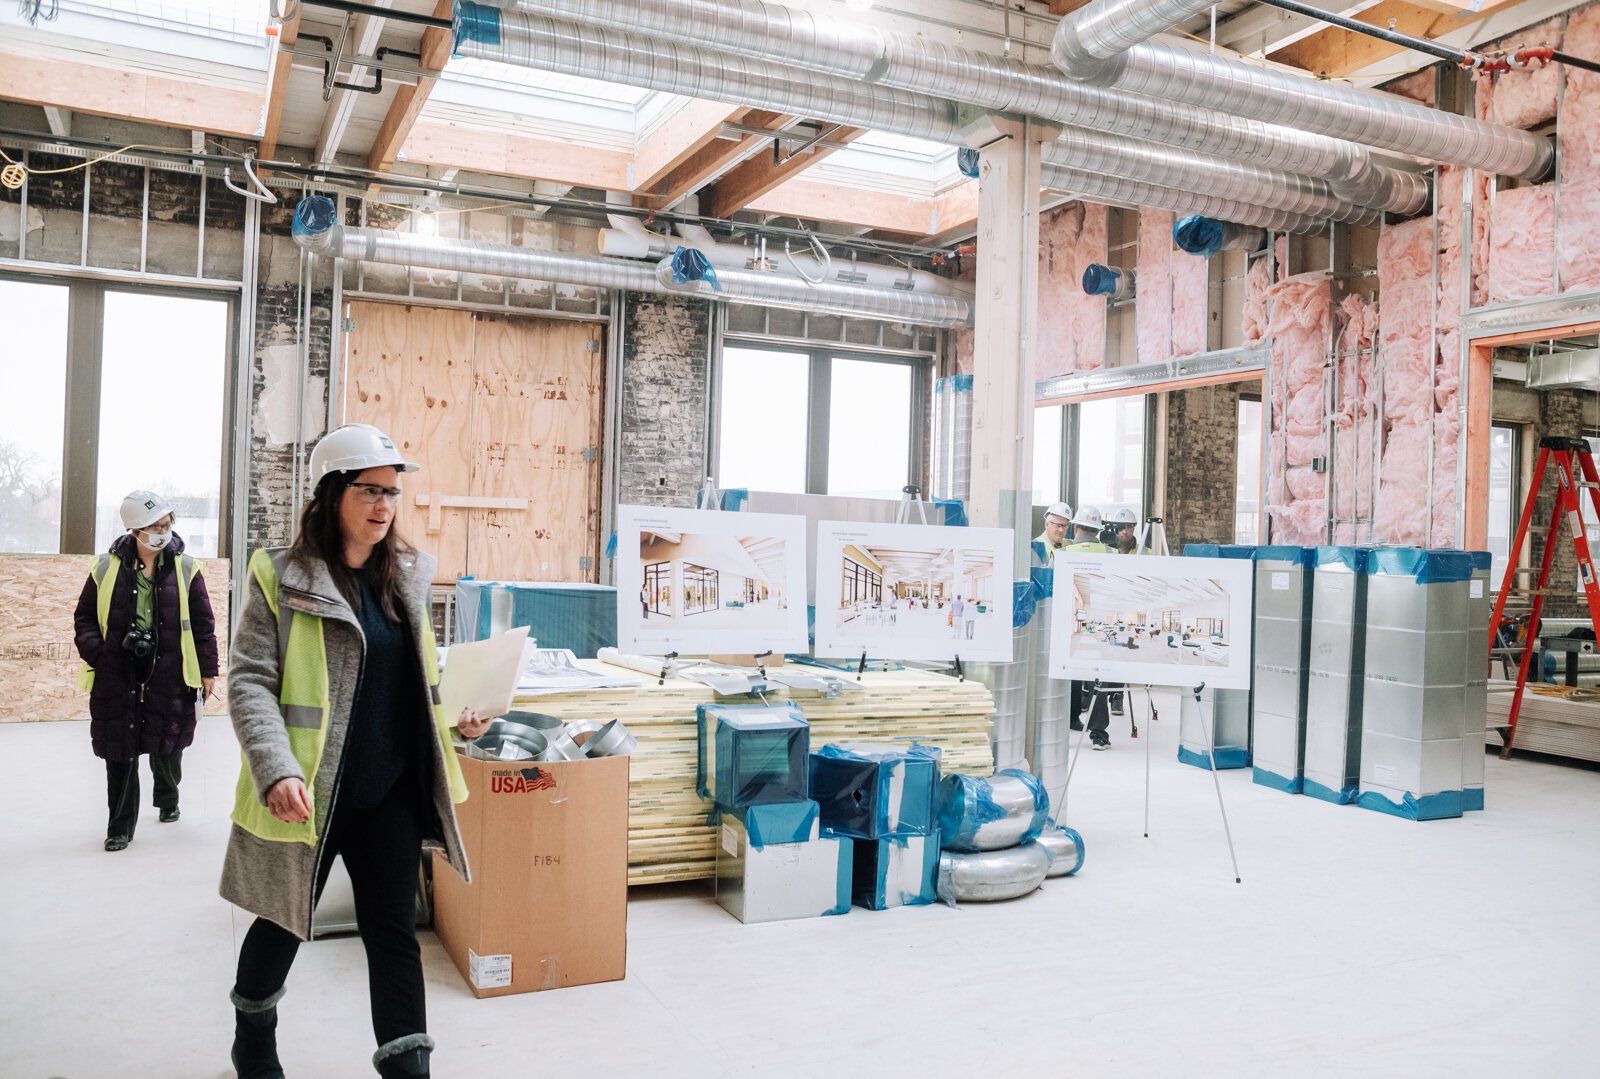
(738, 286)
(1114, 189)
(757, 29)
(1131, 159)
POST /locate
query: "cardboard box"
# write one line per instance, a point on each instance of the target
(547, 908)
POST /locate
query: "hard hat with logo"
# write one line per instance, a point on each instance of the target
(353, 447)
(1061, 510)
(1089, 517)
(1123, 517)
(141, 508)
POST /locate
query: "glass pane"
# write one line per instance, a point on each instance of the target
(33, 416)
(1047, 455)
(1111, 455)
(163, 372)
(764, 419)
(1247, 493)
(869, 428)
(1502, 498)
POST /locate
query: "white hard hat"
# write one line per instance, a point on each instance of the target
(1061, 510)
(1123, 517)
(353, 447)
(1088, 517)
(140, 508)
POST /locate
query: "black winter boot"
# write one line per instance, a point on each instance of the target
(404, 1058)
(255, 1037)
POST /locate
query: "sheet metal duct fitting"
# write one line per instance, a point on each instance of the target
(1105, 44)
(611, 740)
(991, 875)
(1205, 237)
(1065, 848)
(994, 813)
(1115, 189)
(595, 271)
(867, 55)
(1115, 285)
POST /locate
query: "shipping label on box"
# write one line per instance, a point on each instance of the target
(488, 971)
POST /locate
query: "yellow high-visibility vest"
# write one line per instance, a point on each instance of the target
(303, 700)
(104, 573)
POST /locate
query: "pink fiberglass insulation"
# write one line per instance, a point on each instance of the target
(1072, 325)
(1153, 308)
(1526, 98)
(1402, 516)
(1355, 421)
(1191, 303)
(1405, 333)
(1446, 458)
(1577, 249)
(1256, 283)
(1296, 501)
(1423, 86)
(1522, 239)
(963, 340)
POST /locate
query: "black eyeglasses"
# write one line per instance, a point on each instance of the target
(372, 493)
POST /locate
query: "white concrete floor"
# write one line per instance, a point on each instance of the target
(1357, 941)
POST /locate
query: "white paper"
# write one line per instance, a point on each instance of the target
(555, 670)
(1280, 582)
(1477, 589)
(1152, 620)
(698, 582)
(489, 971)
(482, 675)
(920, 592)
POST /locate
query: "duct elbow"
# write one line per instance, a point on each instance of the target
(1116, 285)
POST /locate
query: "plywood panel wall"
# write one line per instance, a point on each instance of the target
(37, 659)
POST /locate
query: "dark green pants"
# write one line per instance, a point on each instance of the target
(122, 789)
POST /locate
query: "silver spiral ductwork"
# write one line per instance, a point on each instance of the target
(1089, 39)
(1100, 187)
(1049, 710)
(952, 437)
(596, 271)
(993, 875)
(864, 54)
(1008, 684)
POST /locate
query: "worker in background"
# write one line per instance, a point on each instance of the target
(1121, 531)
(1057, 520)
(333, 688)
(147, 637)
(1086, 526)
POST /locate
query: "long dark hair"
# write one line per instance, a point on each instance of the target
(320, 538)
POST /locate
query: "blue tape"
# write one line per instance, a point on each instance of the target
(1227, 758)
(611, 546)
(1304, 556)
(1077, 839)
(1481, 559)
(689, 266)
(1024, 603)
(1472, 799)
(1427, 567)
(1100, 280)
(841, 896)
(1428, 807)
(778, 823)
(1218, 550)
(1193, 759)
(1198, 235)
(967, 162)
(1354, 558)
(734, 498)
(1265, 778)
(955, 512)
(314, 215)
(1343, 797)
(476, 22)
(1044, 581)
(961, 383)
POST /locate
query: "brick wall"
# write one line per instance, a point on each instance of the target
(664, 390)
(1560, 413)
(1201, 462)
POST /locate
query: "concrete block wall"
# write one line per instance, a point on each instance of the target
(665, 388)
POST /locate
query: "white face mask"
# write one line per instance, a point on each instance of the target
(155, 540)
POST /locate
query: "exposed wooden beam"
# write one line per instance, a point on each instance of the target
(366, 31)
(1260, 30)
(60, 121)
(811, 200)
(135, 95)
(505, 153)
(1066, 7)
(409, 100)
(683, 135)
(1337, 53)
(746, 184)
(278, 88)
(711, 160)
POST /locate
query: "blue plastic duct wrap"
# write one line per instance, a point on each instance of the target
(314, 215)
(1101, 280)
(967, 162)
(1198, 235)
(689, 265)
(752, 753)
(476, 22)
(974, 815)
(876, 792)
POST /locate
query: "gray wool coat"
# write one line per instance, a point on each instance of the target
(276, 880)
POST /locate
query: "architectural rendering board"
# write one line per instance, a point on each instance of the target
(913, 591)
(702, 581)
(1162, 621)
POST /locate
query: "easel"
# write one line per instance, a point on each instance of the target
(1152, 538)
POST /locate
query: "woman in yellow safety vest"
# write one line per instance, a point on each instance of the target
(333, 691)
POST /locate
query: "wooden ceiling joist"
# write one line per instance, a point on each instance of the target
(911, 215)
(1336, 53)
(748, 182)
(680, 140)
(710, 161)
(278, 89)
(122, 93)
(505, 153)
(409, 100)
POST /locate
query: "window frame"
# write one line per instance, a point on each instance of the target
(819, 403)
(80, 452)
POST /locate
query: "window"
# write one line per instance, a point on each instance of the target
(1247, 473)
(1503, 498)
(33, 416)
(1111, 452)
(1047, 457)
(820, 422)
(118, 389)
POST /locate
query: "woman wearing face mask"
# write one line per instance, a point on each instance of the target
(332, 689)
(147, 637)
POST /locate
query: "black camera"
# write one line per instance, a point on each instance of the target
(139, 642)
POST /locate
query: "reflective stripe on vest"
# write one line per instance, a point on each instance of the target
(303, 699)
(1094, 546)
(104, 573)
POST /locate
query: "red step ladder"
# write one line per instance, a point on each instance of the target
(1575, 471)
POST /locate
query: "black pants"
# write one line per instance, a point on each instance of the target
(382, 849)
(122, 789)
(1084, 696)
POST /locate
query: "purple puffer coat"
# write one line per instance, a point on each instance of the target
(123, 720)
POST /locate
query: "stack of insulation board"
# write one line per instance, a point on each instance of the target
(669, 837)
(1547, 724)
